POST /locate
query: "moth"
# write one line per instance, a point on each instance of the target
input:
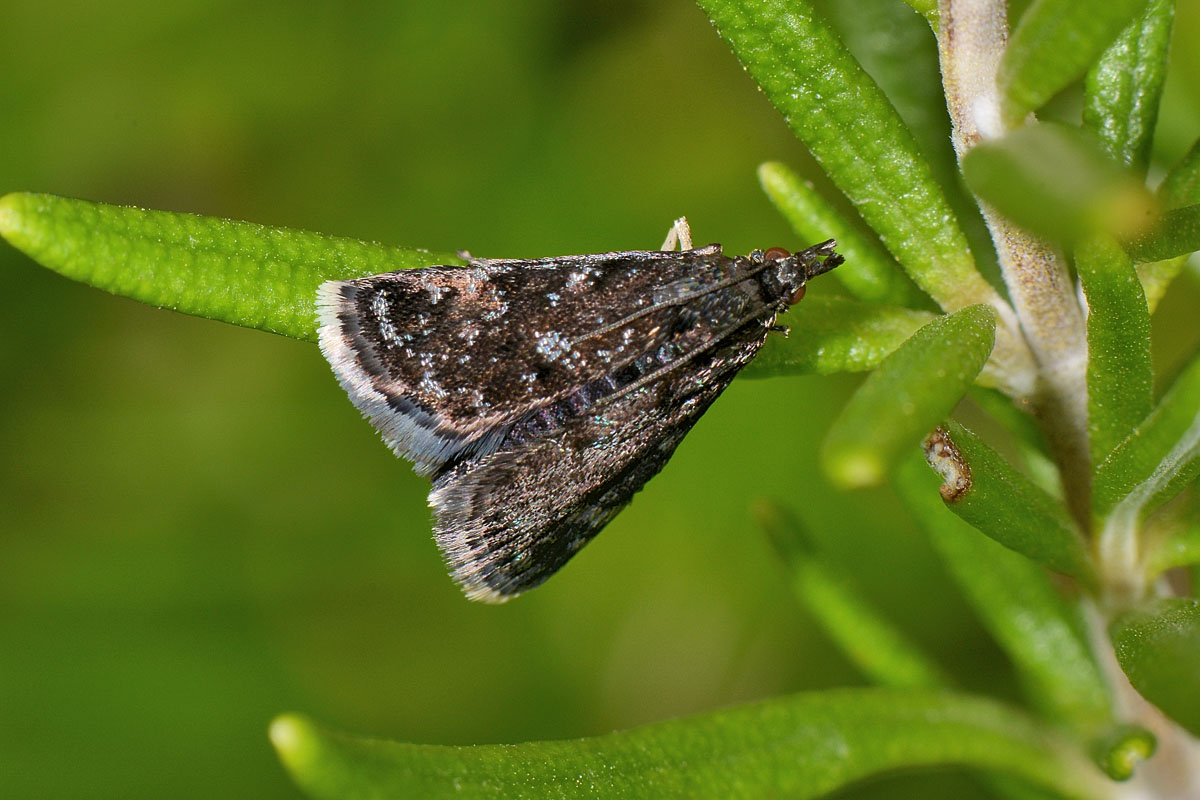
(540, 395)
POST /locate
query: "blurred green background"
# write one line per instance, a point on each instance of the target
(197, 530)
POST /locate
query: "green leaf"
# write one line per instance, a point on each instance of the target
(1181, 187)
(1123, 88)
(914, 388)
(989, 494)
(927, 9)
(1120, 379)
(798, 747)
(1056, 182)
(880, 650)
(1159, 649)
(833, 334)
(1020, 607)
(1019, 422)
(1179, 548)
(869, 273)
(855, 134)
(236, 272)
(1054, 42)
(1156, 276)
(1175, 233)
(1028, 439)
(1159, 459)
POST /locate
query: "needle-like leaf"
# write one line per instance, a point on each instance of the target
(236, 272)
(834, 334)
(1159, 649)
(877, 647)
(1120, 380)
(1056, 182)
(987, 492)
(852, 130)
(1014, 598)
(1054, 42)
(799, 747)
(1159, 459)
(1122, 89)
(913, 389)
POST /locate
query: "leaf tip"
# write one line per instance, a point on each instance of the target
(855, 467)
(294, 738)
(769, 171)
(10, 214)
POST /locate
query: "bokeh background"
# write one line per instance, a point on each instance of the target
(197, 530)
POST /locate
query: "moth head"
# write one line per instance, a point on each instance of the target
(793, 271)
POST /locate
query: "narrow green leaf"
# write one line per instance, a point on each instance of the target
(869, 273)
(880, 650)
(1018, 420)
(236, 272)
(1175, 233)
(1159, 459)
(1056, 182)
(833, 334)
(1054, 42)
(858, 138)
(927, 9)
(798, 747)
(1020, 607)
(998, 501)
(1028, 439)
(914, 388)
(1120, 379)
(1159, 649)
(1156, 276)
(1180, 188)
(1123, 88)
(899, 50)
(1181, 548)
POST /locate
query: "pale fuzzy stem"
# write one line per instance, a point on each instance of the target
(970, 43)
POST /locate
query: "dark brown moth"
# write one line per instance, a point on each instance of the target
(540, 395)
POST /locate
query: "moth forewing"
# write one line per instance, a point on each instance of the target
(542, 394)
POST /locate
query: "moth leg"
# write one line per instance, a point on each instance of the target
(784, 329)
(680, 234)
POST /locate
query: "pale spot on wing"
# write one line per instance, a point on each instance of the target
(553, 344)
(430, 386)
(578, 281)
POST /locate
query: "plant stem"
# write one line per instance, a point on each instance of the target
(971, 42)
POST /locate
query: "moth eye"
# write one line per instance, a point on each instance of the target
(776, 253)
(797, 296)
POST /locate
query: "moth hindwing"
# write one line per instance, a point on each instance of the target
(541, 395)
